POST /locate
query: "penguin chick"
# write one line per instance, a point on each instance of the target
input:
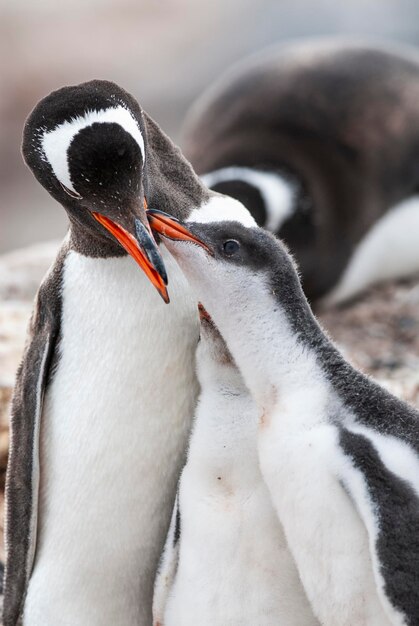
(338, 453)
(226, 560)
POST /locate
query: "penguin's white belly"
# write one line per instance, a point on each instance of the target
(300, 460)
(114, 429)
(242, 574)
(234, 564)
(388, 251)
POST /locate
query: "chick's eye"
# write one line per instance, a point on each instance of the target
(231, 246)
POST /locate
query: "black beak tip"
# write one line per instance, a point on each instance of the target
(149, 246)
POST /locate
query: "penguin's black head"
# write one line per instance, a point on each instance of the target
(87, 145)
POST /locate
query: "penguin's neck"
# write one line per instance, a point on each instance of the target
(85, 236)
(276, 357)
(217, 374)
(223, 441)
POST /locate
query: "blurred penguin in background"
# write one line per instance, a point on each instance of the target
(320, 141)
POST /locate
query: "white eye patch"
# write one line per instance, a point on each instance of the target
(56, 142)
(277, 193)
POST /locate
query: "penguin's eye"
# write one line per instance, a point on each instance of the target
(231, 246)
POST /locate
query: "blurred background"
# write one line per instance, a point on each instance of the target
(165, 52)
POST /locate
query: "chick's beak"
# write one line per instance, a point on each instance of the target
(170, 227)
(143, 250)
(203, 313)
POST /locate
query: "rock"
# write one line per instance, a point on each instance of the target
(21, 271)
(379, 334)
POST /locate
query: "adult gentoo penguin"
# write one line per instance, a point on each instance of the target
(320, 140)
(339, 454)
(224, 525)
(107, 386)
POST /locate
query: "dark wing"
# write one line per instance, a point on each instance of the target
(388, 503)
(167, 567)
(22, 478)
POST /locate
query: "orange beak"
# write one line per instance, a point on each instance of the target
(170, 227)
(154, 268)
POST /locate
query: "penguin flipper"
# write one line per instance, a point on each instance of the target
(167, 569)
(351, 505)
(383, 482)
(22, 478)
